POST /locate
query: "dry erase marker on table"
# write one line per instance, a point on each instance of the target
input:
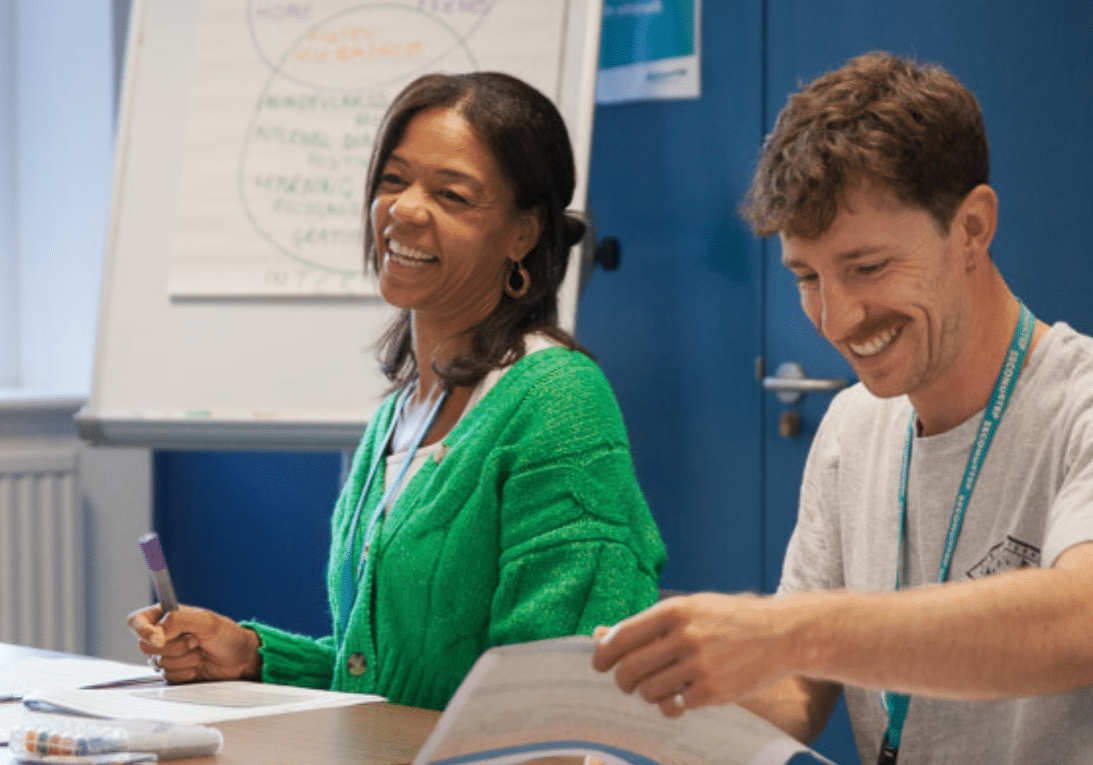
(113, 758)
(161, 577)
(94, 741)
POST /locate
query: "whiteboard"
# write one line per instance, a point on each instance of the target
(254, 367)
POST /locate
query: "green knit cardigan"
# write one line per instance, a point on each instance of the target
(528, 524)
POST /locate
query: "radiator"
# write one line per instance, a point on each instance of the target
(42, 542)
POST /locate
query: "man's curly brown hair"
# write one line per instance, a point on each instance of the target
(912, 127)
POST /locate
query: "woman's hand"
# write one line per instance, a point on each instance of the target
(193, 644)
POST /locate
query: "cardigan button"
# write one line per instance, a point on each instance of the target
(356, 664)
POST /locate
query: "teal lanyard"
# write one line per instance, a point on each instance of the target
(349, 579)
(896, 703)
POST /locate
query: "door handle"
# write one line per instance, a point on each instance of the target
(790, 383)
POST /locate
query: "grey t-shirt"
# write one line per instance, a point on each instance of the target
(1034, 499)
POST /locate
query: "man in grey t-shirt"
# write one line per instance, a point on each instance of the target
(964, 457)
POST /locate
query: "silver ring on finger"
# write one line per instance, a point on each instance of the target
(153, 662)
(679, 701)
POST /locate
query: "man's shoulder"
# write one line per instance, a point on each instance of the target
(1063, 369)
(1064, 345)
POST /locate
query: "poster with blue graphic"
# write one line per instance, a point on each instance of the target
(649, 49)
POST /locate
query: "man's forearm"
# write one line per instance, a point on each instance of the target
(1024, 633)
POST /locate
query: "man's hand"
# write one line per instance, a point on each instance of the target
(702, 649)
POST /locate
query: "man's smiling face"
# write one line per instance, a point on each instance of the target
(886, 287)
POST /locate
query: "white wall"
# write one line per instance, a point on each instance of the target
(117, 494)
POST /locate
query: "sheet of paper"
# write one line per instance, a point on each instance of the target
(543, 699)
(24, 676)
(195, 703)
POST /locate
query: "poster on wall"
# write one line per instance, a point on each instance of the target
(649, 49)
(285, 102)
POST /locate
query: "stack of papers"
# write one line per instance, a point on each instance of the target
(19, 679)
(193, 704)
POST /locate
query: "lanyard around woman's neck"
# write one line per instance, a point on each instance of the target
(350, 578)
(896, 703)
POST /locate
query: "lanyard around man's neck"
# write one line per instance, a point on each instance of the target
(896, 703)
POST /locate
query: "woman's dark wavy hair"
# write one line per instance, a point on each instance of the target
(912, 127)
(528, 139)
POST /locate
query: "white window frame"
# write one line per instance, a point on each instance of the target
(8, 207)
(57, 97)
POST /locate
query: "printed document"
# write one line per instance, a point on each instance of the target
(543, 699)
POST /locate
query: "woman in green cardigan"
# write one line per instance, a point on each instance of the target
(492, 498)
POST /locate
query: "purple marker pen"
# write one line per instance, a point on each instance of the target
(161, 577)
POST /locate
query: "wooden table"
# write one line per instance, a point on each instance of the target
(363, 734)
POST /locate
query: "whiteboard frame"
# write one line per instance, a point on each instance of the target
(324, 366)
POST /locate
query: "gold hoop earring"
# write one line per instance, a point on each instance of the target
(525, 281)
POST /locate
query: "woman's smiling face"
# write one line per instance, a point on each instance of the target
(445, 223)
